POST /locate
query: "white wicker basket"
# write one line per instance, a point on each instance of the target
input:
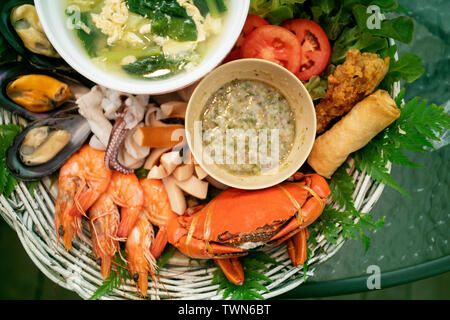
(31, 216)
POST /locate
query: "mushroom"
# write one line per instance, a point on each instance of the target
(176, 196)
(194, 186)
(155, 156)
(170, 161)
(174, 109)
(201, 174)
(183, 172)
(157, 172)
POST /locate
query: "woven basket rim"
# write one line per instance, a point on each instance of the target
(31, 217)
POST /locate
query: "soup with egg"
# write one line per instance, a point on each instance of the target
(146, 38)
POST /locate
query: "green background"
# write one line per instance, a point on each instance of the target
(416, 231)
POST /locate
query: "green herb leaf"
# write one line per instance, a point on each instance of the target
(88, 34)
(166, 255)
(7, 181)
(31, 186)
(279, 15)
(419, 123)
(400, 28)
(354, 38)
(334, 24)
(331, 221)
(119, 274)
(407, 68)
(253, 264)
(342, 188)
(317, 87)
(151, 64)
(141, 173)
(169, 18)
(265, 7)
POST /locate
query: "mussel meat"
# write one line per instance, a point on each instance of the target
(25, 21)
(45, 146)
(42, 144)
(14, 39)
(38, 93)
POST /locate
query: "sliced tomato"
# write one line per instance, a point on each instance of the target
(316, 48)
(253, 21)
(273, 43)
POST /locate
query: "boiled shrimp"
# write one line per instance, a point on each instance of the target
(82, 179)
(137, 248)
(126, 192)
(157, 208)
(104, 221)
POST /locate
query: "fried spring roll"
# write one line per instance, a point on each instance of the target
(368, 118)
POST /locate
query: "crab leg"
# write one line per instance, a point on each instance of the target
(308, 214)
(199, 249)
(297, 247)
(232, 269)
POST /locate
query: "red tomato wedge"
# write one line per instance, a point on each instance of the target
(315, 47)
(253, 21)
(273, 43)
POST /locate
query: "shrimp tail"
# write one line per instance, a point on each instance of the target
(105, 267)
(149, 267)
(83, 202)
(129, 217)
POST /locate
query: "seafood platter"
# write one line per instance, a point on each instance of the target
(193, 149)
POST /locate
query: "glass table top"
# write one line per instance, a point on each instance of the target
(414, 242)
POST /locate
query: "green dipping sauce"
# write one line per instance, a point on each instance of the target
(235, 120)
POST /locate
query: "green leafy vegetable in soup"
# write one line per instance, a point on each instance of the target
(147, 38)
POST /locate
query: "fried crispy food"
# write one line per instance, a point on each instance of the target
(351, 133)
(352, 81)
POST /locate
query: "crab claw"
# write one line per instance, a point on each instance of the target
(232, 269)
(297, 247)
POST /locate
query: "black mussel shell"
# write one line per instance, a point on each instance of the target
(77, 126)
(11, 71)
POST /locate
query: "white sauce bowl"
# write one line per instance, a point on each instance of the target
(53, 20)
